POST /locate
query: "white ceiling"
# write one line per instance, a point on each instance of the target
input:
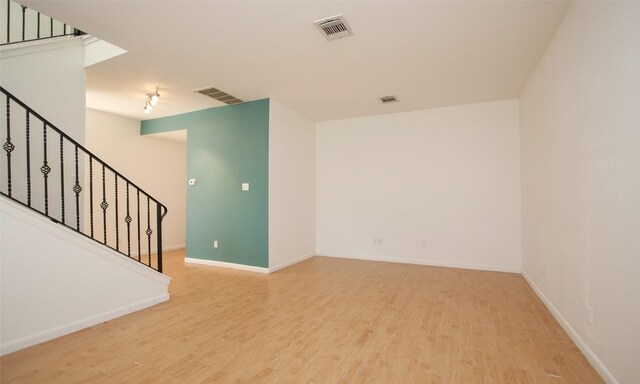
(428, 53)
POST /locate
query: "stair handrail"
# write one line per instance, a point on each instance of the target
(9, 147)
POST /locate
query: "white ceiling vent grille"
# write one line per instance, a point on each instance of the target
(389, 99)
(334, 27)
(219, 95)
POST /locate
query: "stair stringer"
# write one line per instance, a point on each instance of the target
(55, 281)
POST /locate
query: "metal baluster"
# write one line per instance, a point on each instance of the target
(8, 22)
(104, 205)
(117, 224)
(24, 12)
(64, 29)
(45, 169)
(149, 231)
(77, 189)
(51, 26)
(159, 234)
(127, 220)
(91, 194)
(8, 147)
(38, 28)
(62, 178)
(139, 249)
(28, 138)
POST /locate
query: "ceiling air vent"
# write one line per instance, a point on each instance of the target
(388, 99)
(334, 27)
(219, 95)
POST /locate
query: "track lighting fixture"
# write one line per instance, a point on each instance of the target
(151, 101)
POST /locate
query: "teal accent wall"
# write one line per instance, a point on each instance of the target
(226, 146)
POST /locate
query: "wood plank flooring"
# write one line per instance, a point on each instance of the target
(324, 320)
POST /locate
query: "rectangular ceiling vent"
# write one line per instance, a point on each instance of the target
(388, 99)
(219, 95)
(334, 27)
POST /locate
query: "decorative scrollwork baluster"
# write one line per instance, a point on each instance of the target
(8, 146)
(127, 219)
(104, 205)
(45, 169)
(77, 189)
(149, 232)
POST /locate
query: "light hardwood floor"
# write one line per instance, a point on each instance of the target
(324, 320)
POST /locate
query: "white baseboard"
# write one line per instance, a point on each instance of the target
(173, 247)
(431, 263)
(597, 364)
(290, 262)
(214, 263)
(50, 334)
(249, 268)
(155, 250)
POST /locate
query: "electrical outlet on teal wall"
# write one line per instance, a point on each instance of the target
(226, 147)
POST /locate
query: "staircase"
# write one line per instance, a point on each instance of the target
(49, 172)
(80, 243)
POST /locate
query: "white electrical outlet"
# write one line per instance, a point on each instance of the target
(215, 243)
(589, 315)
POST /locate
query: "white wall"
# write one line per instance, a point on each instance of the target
(580, 124)
(66, 283)
(291, 186)
(438, 186)
(158, 166)
(50, 78)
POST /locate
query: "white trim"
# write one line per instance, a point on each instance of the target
(41, 337)
(35, 46)
(291, 262)
(431, 263)
(155, 250)
(173, 247)
(582, 345)
(213, 263)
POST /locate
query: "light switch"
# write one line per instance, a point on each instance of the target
(245, 186)
(192, 181)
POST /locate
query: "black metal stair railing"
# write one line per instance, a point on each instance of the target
(49, 172)
(22, 24)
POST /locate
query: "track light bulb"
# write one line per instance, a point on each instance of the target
(151, 100)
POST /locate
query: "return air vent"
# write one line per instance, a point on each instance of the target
(219, 95)
(334, 27)
(389, 99)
